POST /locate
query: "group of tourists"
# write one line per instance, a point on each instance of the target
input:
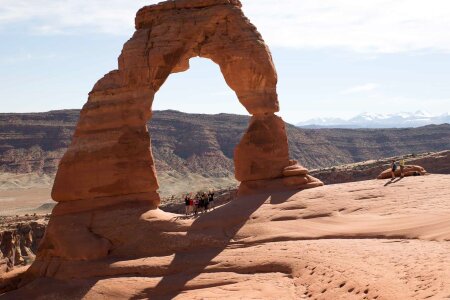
(202, 202)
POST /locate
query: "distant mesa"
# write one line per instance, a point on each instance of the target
(35, 143)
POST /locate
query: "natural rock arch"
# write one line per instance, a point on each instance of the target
(110, 157)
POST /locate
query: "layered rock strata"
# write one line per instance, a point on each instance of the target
(110, 159)
(109, 165)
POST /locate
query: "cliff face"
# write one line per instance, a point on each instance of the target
(333, 147)
(35, 142)
(204, 144)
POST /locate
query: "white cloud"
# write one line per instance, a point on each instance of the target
(25, 57)
(71, 16)
(368, 87)
(371, 26)
(379, 26)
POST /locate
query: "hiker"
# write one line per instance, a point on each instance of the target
(393, 168)
(200, 203)
(196, 204)
(191, 203)
(402, 167)
(211, 199)
(205, 202)
(187, 204)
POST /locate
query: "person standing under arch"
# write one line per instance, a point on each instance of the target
(187, 204)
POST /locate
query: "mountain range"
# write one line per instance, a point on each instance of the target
(374, 120)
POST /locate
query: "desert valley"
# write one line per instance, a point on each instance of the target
(195, 152)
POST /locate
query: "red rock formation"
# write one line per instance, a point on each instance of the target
(10, 247)
(263, 151)
(408, 171)
(19, 244)
(110, 157)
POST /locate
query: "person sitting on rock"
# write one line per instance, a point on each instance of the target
(402, 168)
(393, 169)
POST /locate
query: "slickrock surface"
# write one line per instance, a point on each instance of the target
(362, 240)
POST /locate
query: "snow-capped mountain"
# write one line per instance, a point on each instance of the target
(374, 120)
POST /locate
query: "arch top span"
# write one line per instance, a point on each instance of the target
(143, 15)
(170, 33)
(110, 155)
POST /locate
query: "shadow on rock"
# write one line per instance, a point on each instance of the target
(393, 181)
(224, 221)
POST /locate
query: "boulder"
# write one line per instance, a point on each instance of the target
(295, 170)
(409, 170)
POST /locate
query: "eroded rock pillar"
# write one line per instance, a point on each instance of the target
(110, 155)
(263, 152)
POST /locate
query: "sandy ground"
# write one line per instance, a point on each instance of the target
(30, 193)
(172, 183)
(24, 193)
(24, 201)
(362, 240)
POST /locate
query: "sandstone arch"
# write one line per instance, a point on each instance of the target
(110, 156)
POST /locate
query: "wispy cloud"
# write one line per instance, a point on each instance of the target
(71, 16)
(376, 26)
(368, 87)
(25, 57)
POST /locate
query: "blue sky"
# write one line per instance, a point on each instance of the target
(335, 58)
